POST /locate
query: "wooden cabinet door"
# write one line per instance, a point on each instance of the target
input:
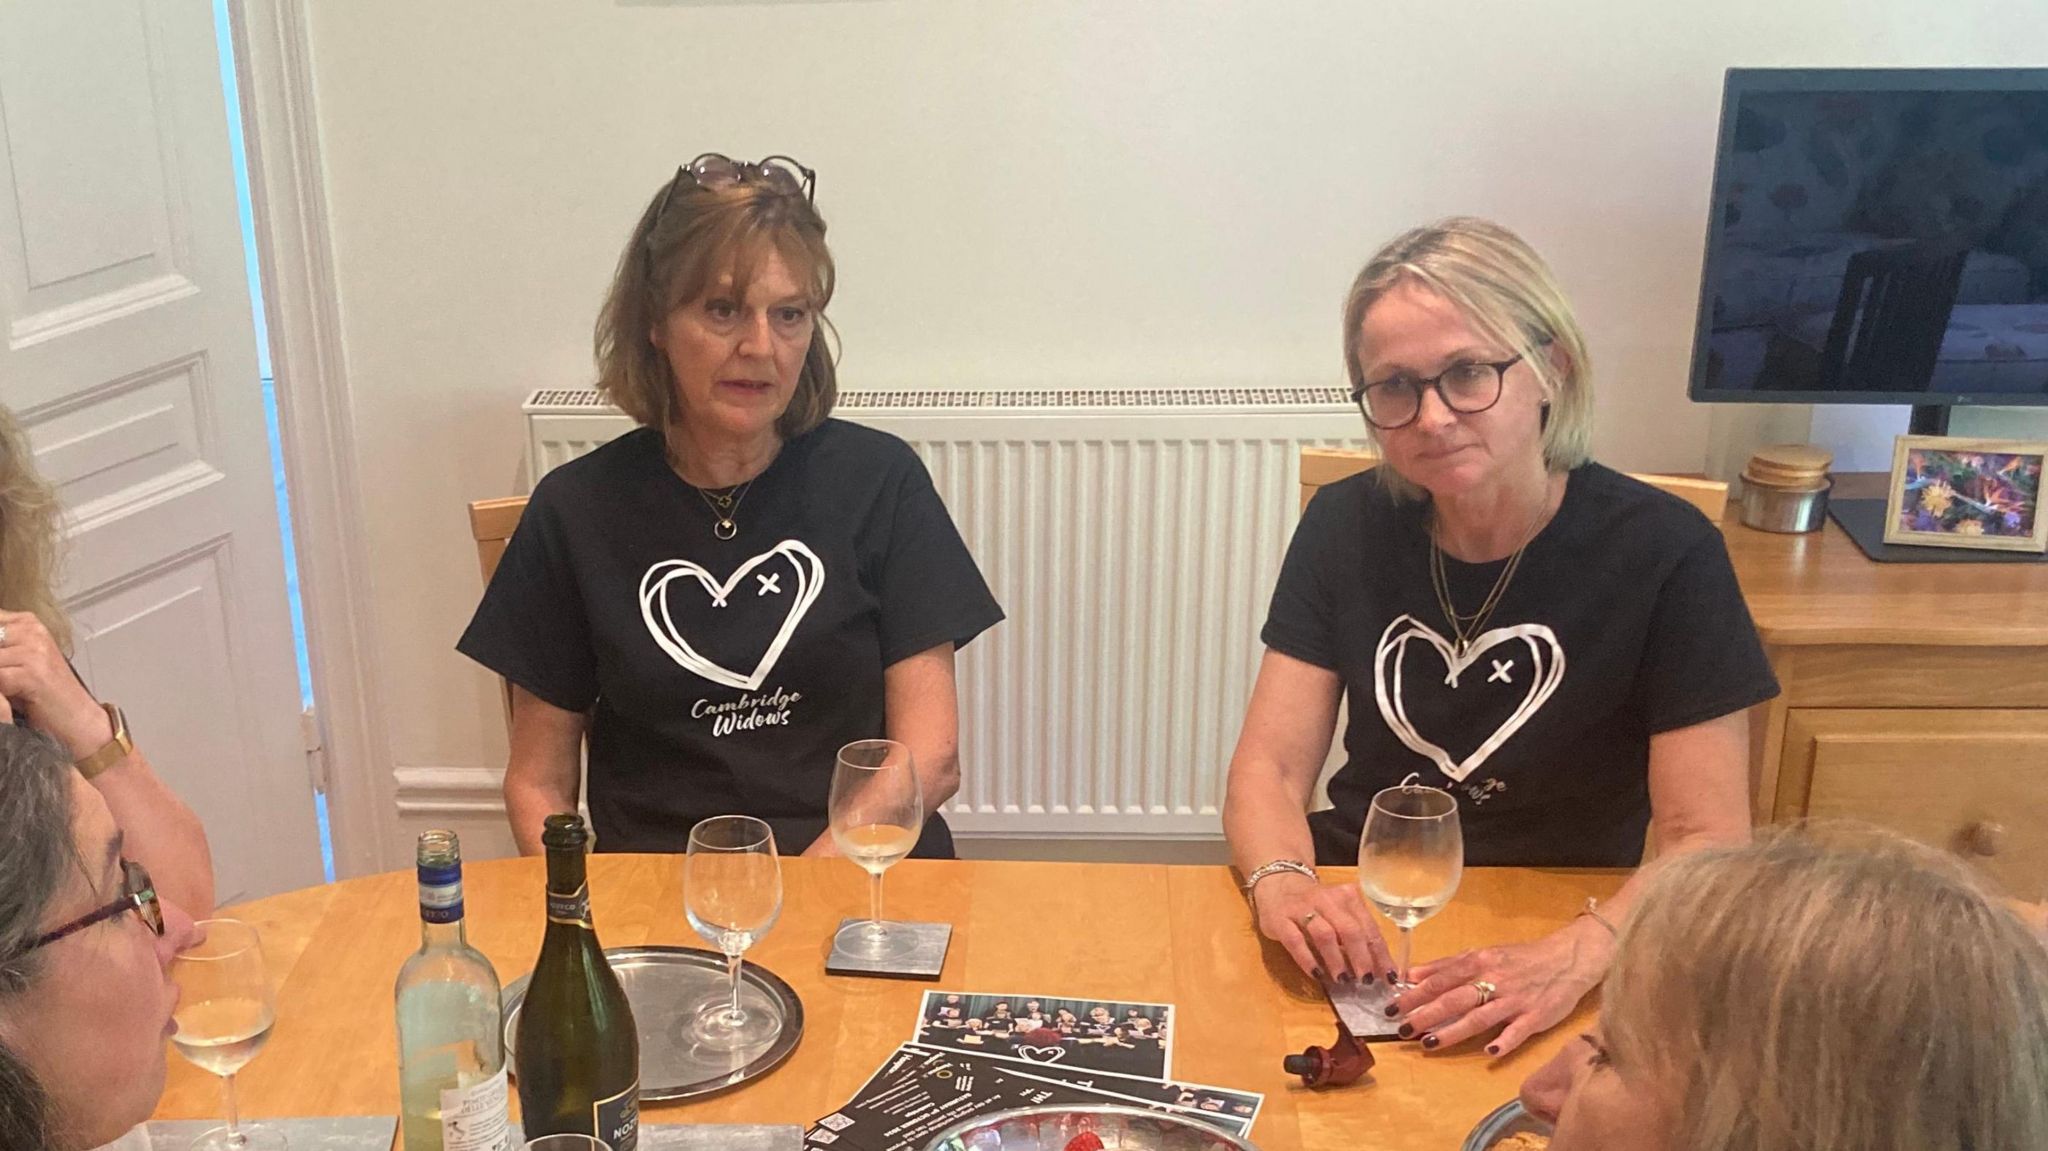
(1974, 782)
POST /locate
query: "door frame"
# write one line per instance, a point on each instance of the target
(317, 423)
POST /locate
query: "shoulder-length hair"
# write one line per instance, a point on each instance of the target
(683, 243)
(29, 535)
(1834, 987)
(1508, 293)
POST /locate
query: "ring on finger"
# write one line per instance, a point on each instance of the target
(1308, 919)
(3, 635)
(1486, 991)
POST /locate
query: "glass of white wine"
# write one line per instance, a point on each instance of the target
(225, 1011)
(877, 811)
(732, 894)
(1411, 856)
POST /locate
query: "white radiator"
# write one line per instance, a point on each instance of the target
(1133, 538)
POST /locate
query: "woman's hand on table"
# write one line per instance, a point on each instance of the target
(1535, 986)
(1325, 927)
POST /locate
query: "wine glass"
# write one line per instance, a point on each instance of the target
(567, 1143)
(877, 810)
(732, 893)
(1411, 856)
(224, 1015)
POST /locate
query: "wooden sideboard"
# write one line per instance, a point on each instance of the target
(1915, 695)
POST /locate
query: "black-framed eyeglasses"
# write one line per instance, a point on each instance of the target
(1466, 388)
(711, 170)
(138, 894)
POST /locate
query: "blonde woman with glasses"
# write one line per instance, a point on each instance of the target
(1560, 647)
(1813, 992)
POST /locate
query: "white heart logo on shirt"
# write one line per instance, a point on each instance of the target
(1042, 1054)
(1545, 654)
(810, 581)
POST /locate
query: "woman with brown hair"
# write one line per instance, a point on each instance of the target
(1830, 989)
(39, 689)
(723, 598)
(85, 943)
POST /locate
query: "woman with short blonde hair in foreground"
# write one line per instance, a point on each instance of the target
(1822, 990)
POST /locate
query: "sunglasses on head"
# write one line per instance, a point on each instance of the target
(781, 174)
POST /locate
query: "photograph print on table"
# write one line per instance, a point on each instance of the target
(1122, 1036)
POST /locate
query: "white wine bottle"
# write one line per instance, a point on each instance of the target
(577, 1049)
(451, 1028)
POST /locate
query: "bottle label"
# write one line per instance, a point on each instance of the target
(618, 1119)
(441, 894)
(572, 908)
(473, 1117)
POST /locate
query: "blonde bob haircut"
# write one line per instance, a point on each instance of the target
(29, 536)
(676, 254)
(1832, 988)
(1508, 294)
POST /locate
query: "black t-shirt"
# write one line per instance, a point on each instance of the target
(723, 676)
(1624, 620)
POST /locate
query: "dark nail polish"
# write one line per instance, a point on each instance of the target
(1493, 1049)
(1429, 1043)
(1392, 1010)
(1366, 979)
(1344, 977)
(1407, 1031)
(1316, 973)
(1393, 976)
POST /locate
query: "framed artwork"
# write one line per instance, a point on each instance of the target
(1952, 492)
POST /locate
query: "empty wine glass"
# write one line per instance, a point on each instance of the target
(877, 811)
(224, 1015)
(1411, 856)
(732, 894)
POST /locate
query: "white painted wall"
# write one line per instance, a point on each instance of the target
(1020, 191)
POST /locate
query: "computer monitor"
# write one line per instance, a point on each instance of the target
(1878, 236)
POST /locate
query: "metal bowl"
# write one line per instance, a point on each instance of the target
(1503, 1121)
(1052, 1128)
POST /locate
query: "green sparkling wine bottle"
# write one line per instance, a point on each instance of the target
(577, 1053)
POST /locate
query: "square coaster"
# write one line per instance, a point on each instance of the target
(1363, 1008)
(923, 960)
(347, 1133)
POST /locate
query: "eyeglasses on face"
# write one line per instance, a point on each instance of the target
(1466, 388)
(138, 894)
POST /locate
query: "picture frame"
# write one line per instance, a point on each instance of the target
(1960, 492)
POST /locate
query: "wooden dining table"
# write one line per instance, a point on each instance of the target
(1168, 934)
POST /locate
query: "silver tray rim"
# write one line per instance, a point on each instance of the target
(1495, 1126)
(774, 985)
(955, 1135)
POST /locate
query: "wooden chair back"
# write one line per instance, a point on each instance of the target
(491, 523)
(1321, 466)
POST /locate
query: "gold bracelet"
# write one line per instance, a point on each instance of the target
(1593, 909)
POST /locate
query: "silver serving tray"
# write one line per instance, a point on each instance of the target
(1119, 1129)
(663, 984)
(1504, 1120)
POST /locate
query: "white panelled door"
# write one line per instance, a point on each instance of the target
(130, 354)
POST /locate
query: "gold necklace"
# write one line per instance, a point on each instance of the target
(724, 505)
(1466, 628)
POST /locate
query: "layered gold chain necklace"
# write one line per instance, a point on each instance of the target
(1466, 628)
